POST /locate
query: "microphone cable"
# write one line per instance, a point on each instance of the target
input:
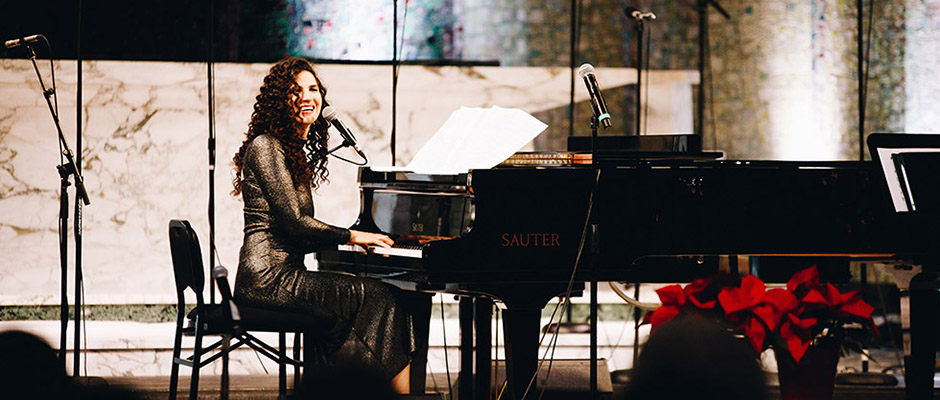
(53, 93)
(571, 279)
(615, 344)
(55, 96)
(363, 163)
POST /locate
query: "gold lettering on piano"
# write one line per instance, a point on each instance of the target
(530, 240)
(416, 227)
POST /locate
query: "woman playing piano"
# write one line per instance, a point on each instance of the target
(282, 159)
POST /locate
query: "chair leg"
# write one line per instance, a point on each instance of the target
(197, 359)
(226, 342)
(177, 349)
(281, 365)
(296, 358)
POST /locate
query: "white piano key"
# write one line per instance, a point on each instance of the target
(409, 252)
(397, 251)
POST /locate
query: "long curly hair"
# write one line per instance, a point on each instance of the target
(275, 114)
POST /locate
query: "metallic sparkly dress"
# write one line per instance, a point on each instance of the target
(361, 317)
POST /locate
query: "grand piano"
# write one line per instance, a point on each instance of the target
(522, 234)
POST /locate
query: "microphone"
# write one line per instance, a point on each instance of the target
(220, 274)
(329, 113)
(638, 15)
(21, 41)
(632, 12)
(586, 72)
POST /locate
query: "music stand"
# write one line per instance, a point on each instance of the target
(897, 154)
(909, 165)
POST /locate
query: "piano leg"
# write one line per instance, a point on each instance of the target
(465, 375)
(522, 338)
(920, 315)
(475, 327)
(924, 333)
(483, 321)
(522, 324)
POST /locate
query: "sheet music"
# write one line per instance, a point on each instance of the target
(891, 173)
(476, 138)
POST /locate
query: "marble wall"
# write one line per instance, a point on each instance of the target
(145, 130)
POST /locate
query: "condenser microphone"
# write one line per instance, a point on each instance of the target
(21, 41)
(329, 113)
(586, 72)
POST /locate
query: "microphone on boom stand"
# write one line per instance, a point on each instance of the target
(330, 114)
(586, 72)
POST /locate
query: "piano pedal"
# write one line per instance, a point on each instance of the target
(620, 376)
(866, 378)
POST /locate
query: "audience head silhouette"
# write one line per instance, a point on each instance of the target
(691, 358)
(30, 368)
(347, 380)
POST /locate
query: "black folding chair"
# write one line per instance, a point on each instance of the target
(231, 322)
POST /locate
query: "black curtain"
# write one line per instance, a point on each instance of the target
(246, 30)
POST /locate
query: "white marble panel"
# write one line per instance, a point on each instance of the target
(144, 151)
(143, 138)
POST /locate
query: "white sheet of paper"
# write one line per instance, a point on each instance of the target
(891, 173)
(476, 138)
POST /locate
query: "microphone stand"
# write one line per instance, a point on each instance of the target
(702, 7)
(210, 83)
(640, 29)
(595, 253)
(65, 170)
(346, 143)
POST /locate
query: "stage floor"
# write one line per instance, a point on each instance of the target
(265, 387)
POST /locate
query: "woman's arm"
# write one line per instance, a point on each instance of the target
(265, 159)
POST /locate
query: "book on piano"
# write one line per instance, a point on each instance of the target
(547, 158)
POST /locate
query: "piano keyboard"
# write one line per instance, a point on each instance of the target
(397, 251)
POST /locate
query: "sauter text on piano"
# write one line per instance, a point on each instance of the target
(530, 239)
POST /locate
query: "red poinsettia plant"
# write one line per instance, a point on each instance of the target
(790, 319)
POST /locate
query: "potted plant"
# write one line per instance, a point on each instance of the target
(805, 324)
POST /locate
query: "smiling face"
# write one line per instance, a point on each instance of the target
(308, 100)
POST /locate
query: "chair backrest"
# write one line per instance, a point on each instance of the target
(187, 261)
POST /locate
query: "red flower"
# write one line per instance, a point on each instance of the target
(807, 277)
(698, 293)
(735, 299)
(672, 298)
(769, 312)
(849, 304)
(782, 301)
(797, 334)
(793, 317)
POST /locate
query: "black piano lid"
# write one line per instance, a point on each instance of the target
(731, 164)
(411, 180)
(644, 143)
